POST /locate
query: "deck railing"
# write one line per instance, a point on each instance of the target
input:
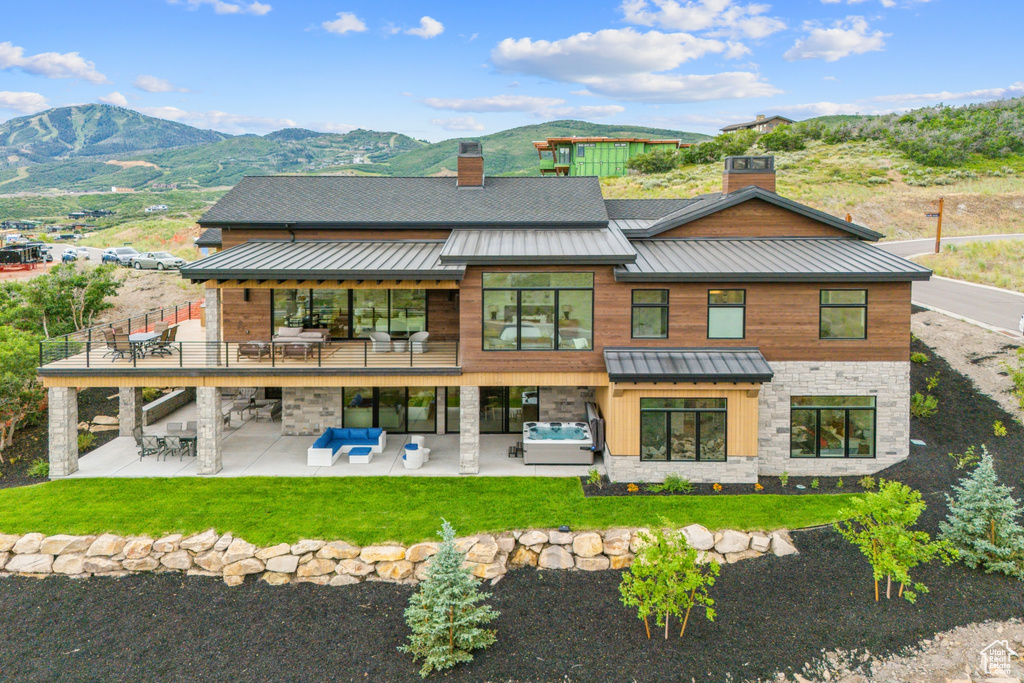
(143, 322)
(73, 354)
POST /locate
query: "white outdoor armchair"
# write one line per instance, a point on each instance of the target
(381, 342)
(419, 342)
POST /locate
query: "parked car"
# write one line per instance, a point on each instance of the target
(120, 255)
(69, 255)
(83, 252)
(160, 260)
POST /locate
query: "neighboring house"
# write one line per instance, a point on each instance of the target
(155, 208)
(720, 336)
(762, 124)
(600, 157)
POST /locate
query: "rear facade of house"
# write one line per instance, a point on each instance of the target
(717, 338)
(596, 156)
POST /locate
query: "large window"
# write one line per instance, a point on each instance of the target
(650, 314)
(844, 314)
(690, 429)
(726, 313)
(538, 311)
(832, 427)
(351, 313)
(393, 409)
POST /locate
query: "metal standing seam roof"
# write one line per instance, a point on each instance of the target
(766, 259)
(388, 202)
(327, 260)
(713, 203)
(630, 225)
(605, 246)
(645, 209)
(729, 364)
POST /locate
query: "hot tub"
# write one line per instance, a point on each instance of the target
(557, 443)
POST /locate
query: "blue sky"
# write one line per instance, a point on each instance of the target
(435, 70)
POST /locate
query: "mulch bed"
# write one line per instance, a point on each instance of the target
(30, 443)
(774, 614)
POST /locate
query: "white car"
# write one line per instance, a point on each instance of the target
(83, 253)
(121, 255)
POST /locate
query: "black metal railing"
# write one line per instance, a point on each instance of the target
(153, 354)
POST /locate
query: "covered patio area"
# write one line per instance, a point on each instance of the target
(257, 449)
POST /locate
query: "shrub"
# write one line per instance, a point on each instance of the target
(653, 162)
(85, 441)
(783, 139)
(1016, 372)
(666, 578)
(784, 479)
(965, 459)
(983, 522)
(150, 394)
(814, 483)
(594, 477)
(40, 468)
(923, 406)
(932, 382)
(918, 357)
(867, 483)
(673, 483)
(879, 524)
(839, 483)
(999, 428)
(444, 614)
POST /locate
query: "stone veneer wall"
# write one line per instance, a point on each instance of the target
(735, 470)
(309, 411)
(564, 404)
(889, 382)
(337, 563)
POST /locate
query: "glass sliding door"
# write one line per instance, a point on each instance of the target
(453, 418)
(358, 407)
(422, 409)
(369, 312)
(351, 314)
(408, 312)
(330, 306)
(522, 407)
(492, 410)
(391, 409)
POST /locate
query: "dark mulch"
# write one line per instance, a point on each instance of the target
(30, 443)
(773, 613)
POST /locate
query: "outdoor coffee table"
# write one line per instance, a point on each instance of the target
(360, 455)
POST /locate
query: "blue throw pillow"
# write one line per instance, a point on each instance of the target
(339, 433)
(359, 434)
(374, 433)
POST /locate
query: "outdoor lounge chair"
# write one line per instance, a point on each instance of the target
(381, 342)
(418, 341)
(245, 399)
(257, 350)
(300, 350)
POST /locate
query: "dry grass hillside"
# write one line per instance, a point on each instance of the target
(878, 187)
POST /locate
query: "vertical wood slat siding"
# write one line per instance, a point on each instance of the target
(755, 218)
(620, 407)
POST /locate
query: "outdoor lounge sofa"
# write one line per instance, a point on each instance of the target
(302, 334)
(336, 442)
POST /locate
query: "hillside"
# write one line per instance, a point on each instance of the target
(92, 130)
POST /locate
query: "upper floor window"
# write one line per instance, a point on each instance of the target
(844, 314)
(538, 311)
(727, 313)
(650, 314)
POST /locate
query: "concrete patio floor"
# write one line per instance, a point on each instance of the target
(257, 449)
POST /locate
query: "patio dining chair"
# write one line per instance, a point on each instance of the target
(192, 426)
(137, 435)
(160, 326)
(173, 427)
(173, 445)
(151, 445)
(123, 347)
(165, 345)
(108, 338)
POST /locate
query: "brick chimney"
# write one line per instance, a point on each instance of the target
(471, 164)
(743, 171)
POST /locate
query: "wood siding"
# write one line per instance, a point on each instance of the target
(231, 237)
(755, 218)
(732, 181)
(443, 314)
(470, 171)
(620, 408)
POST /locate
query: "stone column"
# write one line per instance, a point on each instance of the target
(211, 424)
(129, 413)
(213, 336)
(441, 409)
(469, 430)
(63, 431)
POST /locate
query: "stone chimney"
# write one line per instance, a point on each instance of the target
(471, 164)
(759, 117)
(743, 171)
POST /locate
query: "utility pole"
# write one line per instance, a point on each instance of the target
(938, 225)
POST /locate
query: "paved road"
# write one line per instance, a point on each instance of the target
(994, 307)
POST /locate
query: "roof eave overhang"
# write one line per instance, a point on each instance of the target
(692, 379)
(438, 225)
(626, 276)
(539, 260)
(337, 275)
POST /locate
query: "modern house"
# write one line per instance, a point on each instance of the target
(762, 124)
(716, 337)
(602, 157)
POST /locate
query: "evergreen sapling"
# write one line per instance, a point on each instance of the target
(983, 522)
(445, 614)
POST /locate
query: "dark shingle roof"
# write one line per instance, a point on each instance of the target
(751, 124)
(326, 260)
(687, 365)
(713, 203)
(644, 209)
(766, 259)
(350, 201)
(607, 245)
(211, 237)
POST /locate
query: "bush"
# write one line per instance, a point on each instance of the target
(965, 459)
(40, 468)
(85, 441)
(673, 483)
(783, 139)
(918, 357)
(923, 406)
(444, 614)
(653, 162)
(999, 428)
(594, 477)
(867, 483)
(150, 394)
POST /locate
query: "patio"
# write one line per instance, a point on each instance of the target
(257, 449)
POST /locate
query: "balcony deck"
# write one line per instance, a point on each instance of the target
(190, 352)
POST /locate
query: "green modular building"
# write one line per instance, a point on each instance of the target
(601, 157)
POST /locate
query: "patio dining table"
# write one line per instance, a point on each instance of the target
(187, 436)
(140, 340)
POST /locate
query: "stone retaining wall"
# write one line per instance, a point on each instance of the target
(337, 563)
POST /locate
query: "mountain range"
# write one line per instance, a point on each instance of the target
(94, 147)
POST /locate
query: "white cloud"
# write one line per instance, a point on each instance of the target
(824, 109)
(885, 3)
(830, 78)
(667, 88)
(428, 28)
(585, 112)
(735, 50)
(522, 103)
(1014, 90)
(219, 120)
(22, 102)
(606, 53)
(50, 64)
(724, 17)
(347, 22)
(461, 123)
(846, 37)
(222, 7)
(154, 84)
(330, 127)
(115, 98)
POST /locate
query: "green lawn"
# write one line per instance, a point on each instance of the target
(366, 510)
